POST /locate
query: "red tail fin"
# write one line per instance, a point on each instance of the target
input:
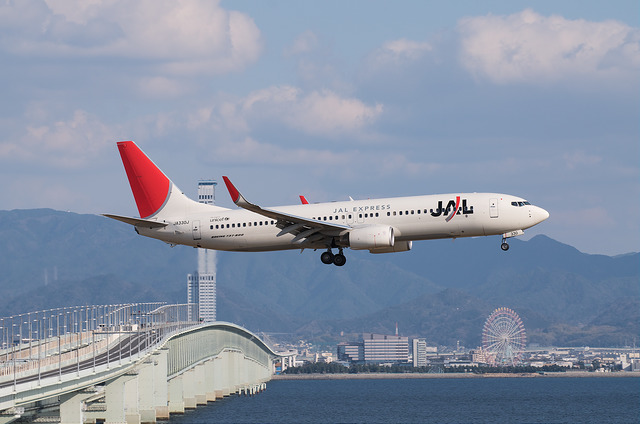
(149, 185)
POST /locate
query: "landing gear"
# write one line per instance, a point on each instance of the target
(329, 258)
(505, 246)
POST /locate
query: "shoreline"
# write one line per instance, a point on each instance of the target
(401, 376)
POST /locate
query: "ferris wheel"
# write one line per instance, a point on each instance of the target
(503, 338)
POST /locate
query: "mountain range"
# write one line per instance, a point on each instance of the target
(441, 290)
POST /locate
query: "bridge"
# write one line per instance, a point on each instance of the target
(129, 363)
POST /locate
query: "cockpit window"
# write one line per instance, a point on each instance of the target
(520, 204)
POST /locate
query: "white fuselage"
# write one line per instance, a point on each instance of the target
(412, 218)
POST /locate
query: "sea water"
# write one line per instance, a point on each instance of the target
(470, 400)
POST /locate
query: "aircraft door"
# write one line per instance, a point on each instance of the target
(493, 208)
(196, 230)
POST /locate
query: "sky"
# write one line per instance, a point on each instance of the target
(330, 99)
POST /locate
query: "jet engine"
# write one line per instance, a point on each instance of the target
(371, 237)
(400, 246)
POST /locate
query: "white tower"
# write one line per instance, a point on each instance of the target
(201, 285)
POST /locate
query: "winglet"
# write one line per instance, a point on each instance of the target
(303, 200)
(237, 198)
(233, 191)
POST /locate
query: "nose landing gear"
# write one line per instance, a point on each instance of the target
(505, 246)
(329, 258)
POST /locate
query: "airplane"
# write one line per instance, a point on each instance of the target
(384, 225)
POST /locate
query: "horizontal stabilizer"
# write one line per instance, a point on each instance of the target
(137, 221)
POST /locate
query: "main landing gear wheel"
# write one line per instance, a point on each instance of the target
(339, 259)
(504, 246)
(327, 257)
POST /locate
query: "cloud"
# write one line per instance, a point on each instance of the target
(401, 51)
(327, 113)
(527, 47)
(323, 113)
(175, 37)
(318, 160)
(69, 143)
(162, 87)
(304, 43)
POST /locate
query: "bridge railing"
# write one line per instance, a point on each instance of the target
(54, 338)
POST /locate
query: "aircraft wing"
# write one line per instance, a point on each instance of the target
(304, 229)
(137, 221)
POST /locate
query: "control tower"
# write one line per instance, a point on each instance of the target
(201, 285)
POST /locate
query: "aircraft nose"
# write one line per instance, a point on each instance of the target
(542, 214)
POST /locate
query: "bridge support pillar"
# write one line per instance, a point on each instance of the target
(189, 389)
(218, 376)
(71, 407)
(160, 384)
(176, 399)
(146, 384)
(209, 373)
(200, 384)
(115, 393)
(131, 401)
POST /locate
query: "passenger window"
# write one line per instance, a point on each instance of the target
(227, 225)
(377, 214)
(366, 215)
(394, 213)
(244, 224)
(411, 212)
(342, 216)
(418, 211)
(400, 212)
(388, 213)
(330, 218)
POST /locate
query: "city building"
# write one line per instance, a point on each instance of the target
(375, 348)
(201, 285)
(385, 348)
(351, 352)
(479, 356)
(419, 353)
